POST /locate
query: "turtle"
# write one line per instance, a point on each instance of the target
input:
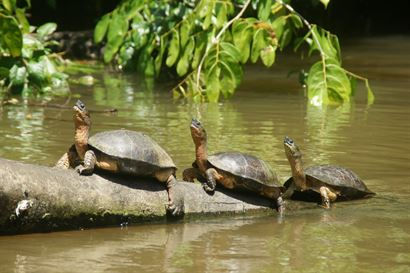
(232, 170)
(331, 182)
(121, 152)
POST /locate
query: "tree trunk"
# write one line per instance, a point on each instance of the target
(38, 199)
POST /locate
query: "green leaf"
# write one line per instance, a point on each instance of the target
(184, 33)
(201, 42)
(221, 16)
(116, 31)
(18, 75)
(10, 5)
(11, 36)
(208, 19)
(264, 9)
(278, 26)
(158, 59)
(21, 17)
(328, 83)
(183, 64)
(259, 43)
(286, 38)
(242, 35)
(173, 49)
(46, 30)
(213, 84)
(230, 51)
(325, 2)
(101, 28)
(268, 55)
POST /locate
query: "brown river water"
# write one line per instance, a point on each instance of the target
(370, 235)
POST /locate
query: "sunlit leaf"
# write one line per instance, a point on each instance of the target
(325, 2)
(268, 55)
(10, 35)
(183, 64)
(230, 51)
(21, 17)
(18, 75)
(159, 58)
(259, 43)
(328, 83)
(221, 16)
(242, 36)
(201, 42)
(46, 30)
(173, 49)
(184, 33)
(264, 9)
(101, 28)
(213, 84)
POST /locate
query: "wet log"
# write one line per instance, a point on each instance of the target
(40, 199)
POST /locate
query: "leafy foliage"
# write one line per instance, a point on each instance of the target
(207, 42)
(26, 63)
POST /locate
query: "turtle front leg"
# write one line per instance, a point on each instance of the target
(327, 196)
(89, 163)
(212, 176)
(175, 196)
(190, 174)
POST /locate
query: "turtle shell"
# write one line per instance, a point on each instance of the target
(132, 147)
(345, 180)
(245, 166)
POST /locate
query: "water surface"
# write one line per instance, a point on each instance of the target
(362, 236)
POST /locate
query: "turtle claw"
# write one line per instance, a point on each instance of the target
(207, 188)
(81, 170)
(176, 199)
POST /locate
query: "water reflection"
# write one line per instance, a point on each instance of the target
(324, 130)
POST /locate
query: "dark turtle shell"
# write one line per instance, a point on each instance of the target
(245, 166)
(133, 147)
(345, 180)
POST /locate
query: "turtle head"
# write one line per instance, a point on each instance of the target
(81, 115)
(198, 132)
(291, 149)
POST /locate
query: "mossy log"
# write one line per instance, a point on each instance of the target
(40, 199)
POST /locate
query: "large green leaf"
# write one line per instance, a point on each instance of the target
(184, 32)
(201, 42)
(11, 36)
(242, 35)
(213, 84)
(230, 52)
(221, 14)
(258, 44)
(328, 83)
(21, 17)
(10, 5)
(264, 9)
(183, 64)
(116, 31)
(101, 28)
(173, 49)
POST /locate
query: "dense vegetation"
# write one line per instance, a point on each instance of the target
(27, 65)
(207, 42)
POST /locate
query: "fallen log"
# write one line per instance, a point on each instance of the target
(41, 199)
